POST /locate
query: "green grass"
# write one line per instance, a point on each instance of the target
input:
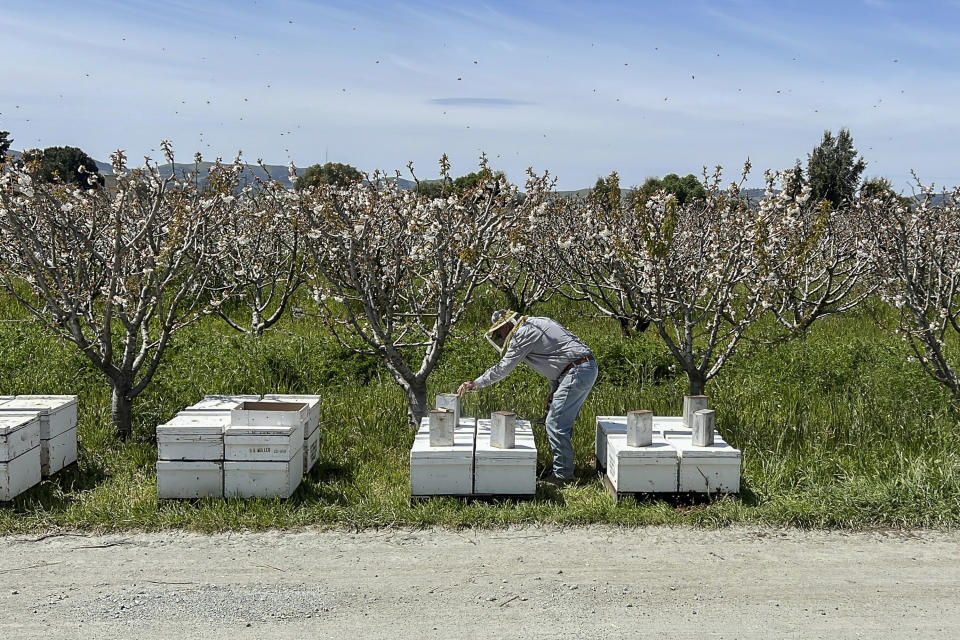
(837, 429)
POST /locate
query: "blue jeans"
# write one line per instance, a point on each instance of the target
(567, 400)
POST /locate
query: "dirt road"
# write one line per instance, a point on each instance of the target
(516, 583)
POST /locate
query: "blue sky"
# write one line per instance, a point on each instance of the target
(644, 88)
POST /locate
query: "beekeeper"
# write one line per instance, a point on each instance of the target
(557, 354)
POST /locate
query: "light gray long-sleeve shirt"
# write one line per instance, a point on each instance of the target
(544, 344)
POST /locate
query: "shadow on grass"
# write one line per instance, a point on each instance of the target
(547, 493)
(749, 497)
(324, 471)
(60, 490)
(327, 483)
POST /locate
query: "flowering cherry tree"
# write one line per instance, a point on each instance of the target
(117, 272)
(814, 256)
(260, 255)
(393, 271)
(915, 253)
(690, 270)
(584, 280)
(524, 275)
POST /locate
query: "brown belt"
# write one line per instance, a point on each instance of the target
(573, 364)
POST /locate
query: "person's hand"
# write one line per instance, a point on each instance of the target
(469, 385)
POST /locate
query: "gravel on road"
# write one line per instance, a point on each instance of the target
(517, 583)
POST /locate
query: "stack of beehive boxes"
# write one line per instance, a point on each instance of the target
(683, 454)
(19, 453)
(470, 457)
(58, 427)
(190, 451)
(238, 446)
(190, 455)
(263, 449)
(505, 456)
(441, 459)
(38, 437)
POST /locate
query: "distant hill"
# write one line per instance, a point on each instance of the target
(281, 174)
(251, 172)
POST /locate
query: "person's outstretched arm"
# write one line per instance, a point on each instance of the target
(521, 344)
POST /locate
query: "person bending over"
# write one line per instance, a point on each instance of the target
(557, 354)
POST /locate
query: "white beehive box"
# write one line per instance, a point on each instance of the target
(311, 430)
(262, 479)
(313, 402)
(262, 443)
(437, 471)
(19, 453)
(5, 399)
(713, 469)
(272, 414)
(192, 436)
(221, 402)
(500, 471)
(58, 428)
(607, 425)
(311, 451)
(649, 469)
(187, 479)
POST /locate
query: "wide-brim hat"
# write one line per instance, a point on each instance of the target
(497, 320)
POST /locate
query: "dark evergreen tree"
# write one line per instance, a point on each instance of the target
(334, 173)
(63, 164)
(797, 181)
(606, 192)
(5, 142)
(834, 169)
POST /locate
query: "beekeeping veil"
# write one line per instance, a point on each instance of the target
(497, 320)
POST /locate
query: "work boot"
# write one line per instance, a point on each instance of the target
(554, 481)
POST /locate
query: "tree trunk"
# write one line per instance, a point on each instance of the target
(121, 411)
(417, 407)
(697, 383)
(256, 323)
(513, 302)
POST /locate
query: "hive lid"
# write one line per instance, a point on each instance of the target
(236, 431)
(221, 402)
(286, 397)
(41, 404)
(719, 449)
(524, 448)
(467, 425)
(460, 451)
(208, 423)
(660, 448)
(520, 426)
(612, 424)
(12, 422)
(669, 423)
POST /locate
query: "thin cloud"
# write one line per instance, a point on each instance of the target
(480, 102)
